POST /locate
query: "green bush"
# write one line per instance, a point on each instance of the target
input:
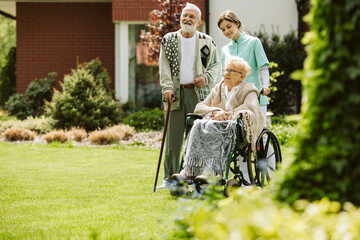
(32, 102)
(8, 77)
(101, 77)
(253, 214)
(5, 117)
(285, 133)
(288, 119)
(85, 102)
(7, 37)
(328, 149)
(40, 125)
(128, 108)
(289, 54)
(17, 106)
(146, 119)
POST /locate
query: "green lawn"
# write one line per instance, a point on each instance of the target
(57, 191)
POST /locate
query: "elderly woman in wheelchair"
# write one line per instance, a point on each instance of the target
(215, 137)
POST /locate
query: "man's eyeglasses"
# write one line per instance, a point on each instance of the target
(231, 71)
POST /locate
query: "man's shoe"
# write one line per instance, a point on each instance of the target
(179, 176)
(165, 184)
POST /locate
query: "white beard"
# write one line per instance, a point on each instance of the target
(187, 28)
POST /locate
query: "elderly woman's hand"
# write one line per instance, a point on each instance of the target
(220, 115)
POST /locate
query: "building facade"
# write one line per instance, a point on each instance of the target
(56, 35)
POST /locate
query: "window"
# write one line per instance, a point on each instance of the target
(144, 85)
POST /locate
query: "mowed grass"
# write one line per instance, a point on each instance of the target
(57, 191)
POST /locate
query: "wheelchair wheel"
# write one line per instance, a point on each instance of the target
(267, 158)
(178, 189)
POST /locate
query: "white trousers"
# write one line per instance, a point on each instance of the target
(263, 109)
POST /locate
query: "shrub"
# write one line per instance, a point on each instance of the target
(128, 108)
(126, 129)
(285, 128)
(146, 119)
(289, 54)
(279, 119)
(328, 149)
(250, 214)
(18, 134)
(111, 134)
(8, 77)
(288, 119)
(285, 133)
(17, 106)
(32, 102)
(59, 136)
(5, 117)
(7, 36)
(83, 103)
(101, 77)
(103, 137)
(77, 134)
(40, 124)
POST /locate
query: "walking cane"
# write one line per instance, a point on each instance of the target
(162, 143)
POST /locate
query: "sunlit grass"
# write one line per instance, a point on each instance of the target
(57, 191)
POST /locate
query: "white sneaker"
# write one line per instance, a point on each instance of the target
(165, 184)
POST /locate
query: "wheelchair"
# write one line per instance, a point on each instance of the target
(261, 163)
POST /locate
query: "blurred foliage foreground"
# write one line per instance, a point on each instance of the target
(314, 193)
(253, 214)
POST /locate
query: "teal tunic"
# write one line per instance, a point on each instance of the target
(250, 49)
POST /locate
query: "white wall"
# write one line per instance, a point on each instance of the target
(279, 16)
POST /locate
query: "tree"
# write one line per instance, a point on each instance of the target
(164, 19)
(7, 58)
(86, 100)
(328, 148)
(7, 37)
(289, 54)
(8, 77)
(32, 102)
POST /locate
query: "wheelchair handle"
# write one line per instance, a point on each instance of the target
(260, 93)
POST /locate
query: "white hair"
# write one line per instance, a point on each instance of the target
(190, 5)
(239, 64)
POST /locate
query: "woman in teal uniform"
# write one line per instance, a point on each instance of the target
(248, 48)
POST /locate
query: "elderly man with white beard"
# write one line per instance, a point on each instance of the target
(189, 66)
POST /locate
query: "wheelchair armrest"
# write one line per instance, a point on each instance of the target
(239, 118)
(240, 128)
(188, 123)
(193, 116)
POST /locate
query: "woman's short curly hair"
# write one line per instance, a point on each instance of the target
(239, 64)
